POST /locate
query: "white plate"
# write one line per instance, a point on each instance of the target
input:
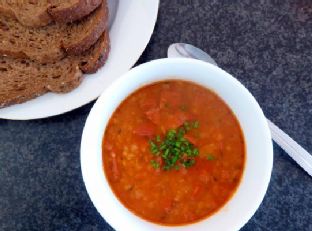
(130, 34)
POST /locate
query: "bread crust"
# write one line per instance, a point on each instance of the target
(23, 79)
(75, 48)
(73, 12)
(96, 56)
(48, 11)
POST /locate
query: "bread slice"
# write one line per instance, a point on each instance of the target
(95, 57)
(23, 79)
(53, 42)
(36, 13)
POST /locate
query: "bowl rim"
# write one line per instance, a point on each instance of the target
(91, 182)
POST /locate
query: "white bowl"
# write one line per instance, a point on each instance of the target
(259, 161)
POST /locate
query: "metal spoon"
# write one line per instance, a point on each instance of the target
(299, 154)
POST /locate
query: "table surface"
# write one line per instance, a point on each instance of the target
(266, 44)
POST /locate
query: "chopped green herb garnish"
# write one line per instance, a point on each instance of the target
(210, 157)
(155, 164)
(188, 163)
(181, 132)
(195, 124)
(153, 148)
(174, 149)
(158, 138)
(187, 126)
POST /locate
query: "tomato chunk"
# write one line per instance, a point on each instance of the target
(176, 119)
(154, 115)
(145, 129)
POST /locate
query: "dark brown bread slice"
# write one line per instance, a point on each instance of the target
(53, 42)
(29, 13)
(75, 43)
(36, 13)
(23, 79)
(94, 58)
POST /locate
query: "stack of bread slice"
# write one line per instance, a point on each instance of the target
(47, 45)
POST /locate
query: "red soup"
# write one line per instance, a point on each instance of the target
(173, 152)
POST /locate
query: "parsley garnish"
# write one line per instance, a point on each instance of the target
(210, 157)
(155, 164)
(174, 149)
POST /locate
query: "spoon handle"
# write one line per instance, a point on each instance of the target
(295, 151)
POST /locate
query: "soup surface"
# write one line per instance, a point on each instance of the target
(173, 152)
